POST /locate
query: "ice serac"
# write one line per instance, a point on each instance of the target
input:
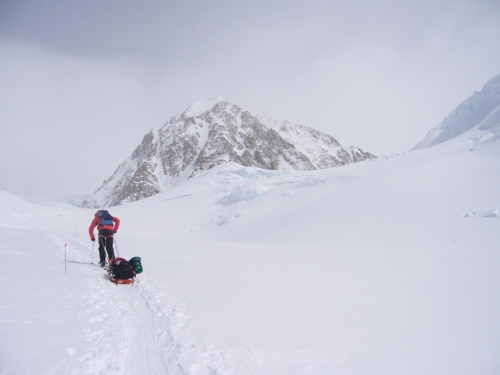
(213, 132)
(481, 110)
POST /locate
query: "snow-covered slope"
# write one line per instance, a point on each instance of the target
(213, 132)
(382, 267)
(481, 110)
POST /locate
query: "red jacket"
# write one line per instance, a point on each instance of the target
(97, 222)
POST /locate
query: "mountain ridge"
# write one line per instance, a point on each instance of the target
(480, 110)
(212, 132)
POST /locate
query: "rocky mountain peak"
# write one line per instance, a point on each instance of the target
(212, 132)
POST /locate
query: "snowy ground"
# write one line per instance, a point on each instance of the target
(384, 267)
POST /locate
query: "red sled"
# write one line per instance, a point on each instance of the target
(121, 272)
(121, 281)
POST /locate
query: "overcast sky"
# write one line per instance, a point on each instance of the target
(81, 82)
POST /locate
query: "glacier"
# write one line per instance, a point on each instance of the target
(369, 268)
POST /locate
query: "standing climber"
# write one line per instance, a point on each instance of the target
(107, 225)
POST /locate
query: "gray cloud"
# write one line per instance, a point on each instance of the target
(82, 82)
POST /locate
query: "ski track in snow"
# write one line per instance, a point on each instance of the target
(138, 330)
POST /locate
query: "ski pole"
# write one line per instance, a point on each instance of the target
(65, 246)
(92, 252)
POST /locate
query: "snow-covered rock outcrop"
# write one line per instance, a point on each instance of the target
(481, 111)
(213, 132)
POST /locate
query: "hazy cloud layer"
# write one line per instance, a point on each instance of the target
(82, 82)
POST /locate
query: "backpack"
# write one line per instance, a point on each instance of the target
(121, 269)
(106, 218)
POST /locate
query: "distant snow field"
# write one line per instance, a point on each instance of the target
(381, 267)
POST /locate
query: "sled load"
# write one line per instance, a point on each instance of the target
(135, 262)
(122, 271)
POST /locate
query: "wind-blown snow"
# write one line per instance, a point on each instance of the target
(381, 267)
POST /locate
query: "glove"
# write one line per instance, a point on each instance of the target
(92, 239)
(114, 231)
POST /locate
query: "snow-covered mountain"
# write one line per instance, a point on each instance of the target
(213, 132)
(389, 267)
(480, 111)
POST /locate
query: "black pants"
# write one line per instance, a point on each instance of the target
(106, 243)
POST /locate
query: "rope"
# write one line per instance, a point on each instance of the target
(116, 245)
